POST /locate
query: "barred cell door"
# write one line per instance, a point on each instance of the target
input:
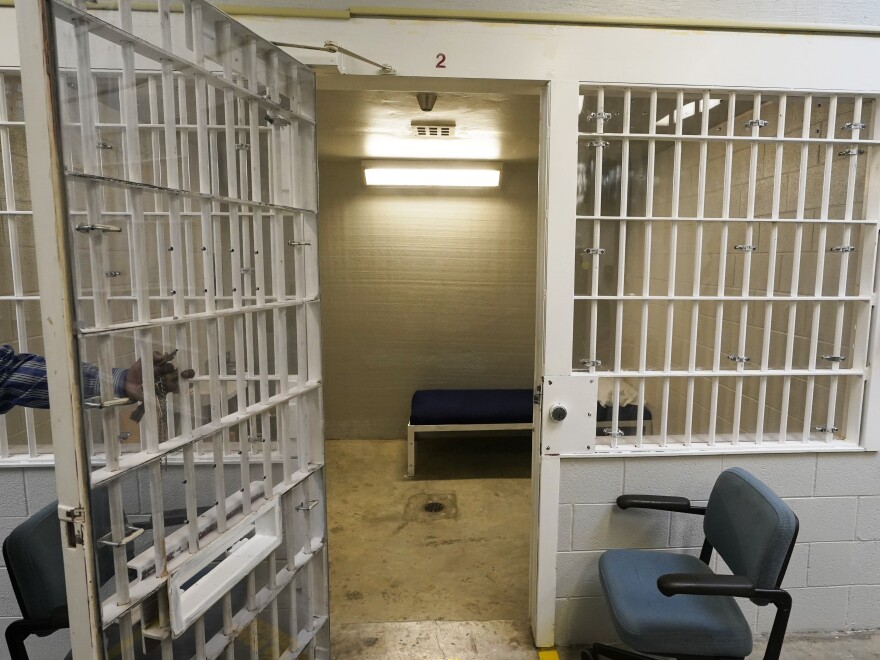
(172, 155)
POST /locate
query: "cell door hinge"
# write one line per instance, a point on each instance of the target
(536, 399)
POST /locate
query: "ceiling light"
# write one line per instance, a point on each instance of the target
(687, 110)
(432, 174)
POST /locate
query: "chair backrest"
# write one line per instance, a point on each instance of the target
(32, 553)
(33, 558)
(750, 527)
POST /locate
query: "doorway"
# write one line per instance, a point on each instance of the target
(426, 288)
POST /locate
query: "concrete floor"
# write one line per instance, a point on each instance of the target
(512, 640)
(843, 646)
(392, 561)
(409, 585)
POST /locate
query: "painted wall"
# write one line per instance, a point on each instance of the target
(856, 12)
(422, 290)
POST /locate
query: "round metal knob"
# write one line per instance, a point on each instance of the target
(558, 412)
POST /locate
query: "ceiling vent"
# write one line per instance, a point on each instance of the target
(433, 129)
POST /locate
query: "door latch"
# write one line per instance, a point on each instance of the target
(73, 518)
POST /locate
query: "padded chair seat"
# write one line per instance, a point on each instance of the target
(650, 622)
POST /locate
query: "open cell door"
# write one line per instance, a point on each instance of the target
(179, 218)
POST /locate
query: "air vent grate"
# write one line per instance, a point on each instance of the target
(433, 129)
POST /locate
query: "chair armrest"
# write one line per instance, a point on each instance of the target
(706, 584)
(660, 503)
(18, 631)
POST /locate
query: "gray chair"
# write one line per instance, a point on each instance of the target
(673, 605)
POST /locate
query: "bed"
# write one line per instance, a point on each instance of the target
(456, 411)
(466, 410)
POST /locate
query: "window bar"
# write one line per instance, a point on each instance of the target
(97, 242)
(15, 265)
(172, 164)
(671, 273)
(290, 551)
(820, 268)
(747, 266)
(771, 267)
(230, 114)
(120, 565)
(621, 259)
(795, 269)
(598, 149)
(870, 208)
(138, 244)
(248, 54)
(646, 266)
(844, 266)
(698, 265)
(722, 263)
(244, 443)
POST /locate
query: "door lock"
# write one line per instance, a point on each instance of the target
(558, 412)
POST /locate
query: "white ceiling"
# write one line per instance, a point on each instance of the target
(492, 125)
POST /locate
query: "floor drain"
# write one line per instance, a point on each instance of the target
(434, 507)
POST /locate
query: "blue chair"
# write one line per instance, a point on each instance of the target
(673, 605)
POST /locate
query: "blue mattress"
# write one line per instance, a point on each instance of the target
(430, 407)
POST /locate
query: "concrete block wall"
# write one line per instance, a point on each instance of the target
(834, 574)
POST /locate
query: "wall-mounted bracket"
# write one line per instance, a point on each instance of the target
(746, 248)
(851, 152)
(739, 358)
(593, 250)
(604, 116)
(760, 123)
(843, 248)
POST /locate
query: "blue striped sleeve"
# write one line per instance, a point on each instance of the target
(23, 380)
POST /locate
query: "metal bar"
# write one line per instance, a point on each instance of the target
(597, 210)
(621, 257)
(113, 34)
(820, 268)
(722, 263)
(844, 265)
(646, 264)
(770, 286)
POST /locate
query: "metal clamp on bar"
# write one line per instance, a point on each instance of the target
(613, 432)
(248, 269)
(842, 248)
(760, 123)
(113, 273)
(851, 152)
(295, 243)
(95, 402)
(134, 533)
(825, 429)
(854, 126)
(604, 116)
(243, 146)
(597, 251)
(739, 358)
(834, 358)
(745, 248)
(599, 144)
(307, 507)
(104, 145)
(591, 363)
(108, 228)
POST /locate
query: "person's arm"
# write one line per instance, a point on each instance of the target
(23, 380)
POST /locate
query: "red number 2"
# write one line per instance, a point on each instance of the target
(441, 61)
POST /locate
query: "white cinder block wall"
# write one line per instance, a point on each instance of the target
(834, 575)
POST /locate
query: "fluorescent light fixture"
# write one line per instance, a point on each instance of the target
(432, 174)
(687, 110)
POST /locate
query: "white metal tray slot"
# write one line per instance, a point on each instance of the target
(242, 556)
